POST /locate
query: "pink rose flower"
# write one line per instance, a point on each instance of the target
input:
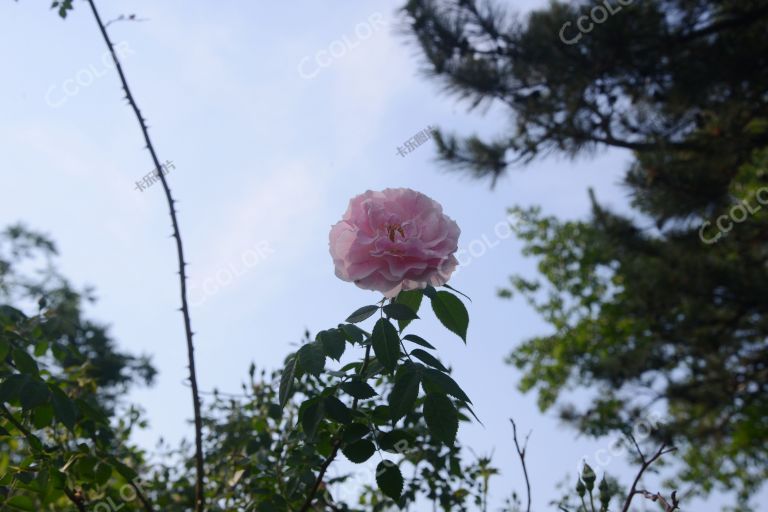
(396, 239)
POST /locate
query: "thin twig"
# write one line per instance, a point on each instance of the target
(144, 501)
(199, 460)
(675, 505)
(123, 17)
(521, 454)
(663, 449)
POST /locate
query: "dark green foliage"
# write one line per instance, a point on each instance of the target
(442, 417)
(451, 312)
(342, 410)
(386, 344)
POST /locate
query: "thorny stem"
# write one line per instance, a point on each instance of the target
(199, 460)
(336, 446)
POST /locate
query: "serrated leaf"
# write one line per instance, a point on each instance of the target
(361, 314)
(359, 451)
(353, 333)
(435, 380)
(312, 413)
(441, 417)
(419, 341)
(311, 358)
(451, 312)
(33, 394)
(358, 389)
(10, 387)
(354, 432)
(412, 299)
(63, 407)
(400, 312)
(333, 342)
(24, 362)
(287, 380)
(390, 479)
(337, 411)
(381, 415)
(405, 392)
(396, 441)
(428, 358)
(386, 344)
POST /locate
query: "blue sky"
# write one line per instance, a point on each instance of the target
(266, 158)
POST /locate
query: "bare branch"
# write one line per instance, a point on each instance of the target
(521, 454)
(663, 449)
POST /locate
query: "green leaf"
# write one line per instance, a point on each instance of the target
(311, 358)
(359, 451)
(400, 312)
(396, 441)
(42, 416)
(354, 432)
(381, 415)
(90, 412)
(125, 471)
(405, 391)
(412, 299)
(362, 314)
(429, 359)
(337, 411)
(5, 348)
(287, 379)
(386, 344)
(442, 417)
(33, 394)
(459, 292)
(102, 473)
(10, 388)
(419, 341)
(24, 362)
(21, 502)
(333, 342)
(311, 412)
(359, 389)
(390, 479)
(63, 407)
(451, 312)
(435, 380)
(353, 333)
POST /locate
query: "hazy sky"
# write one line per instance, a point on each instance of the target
(273, 116)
